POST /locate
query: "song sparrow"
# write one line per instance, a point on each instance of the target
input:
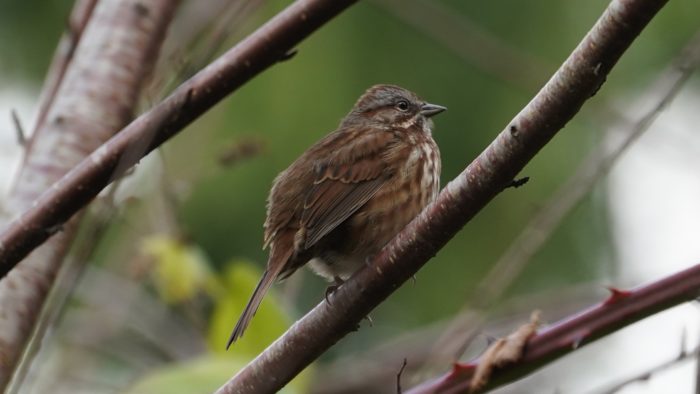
(351, 192)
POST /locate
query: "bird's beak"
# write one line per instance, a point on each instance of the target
(428, 110)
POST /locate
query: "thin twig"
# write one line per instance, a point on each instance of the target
(21, 136)
(398, 376)
(683, 356)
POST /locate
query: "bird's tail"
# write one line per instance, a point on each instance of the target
(274, 267)
(252, 306)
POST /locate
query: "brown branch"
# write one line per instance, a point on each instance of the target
(235, 67)
(620, 309)
(578, 79)
(91, 93)
(370, 370)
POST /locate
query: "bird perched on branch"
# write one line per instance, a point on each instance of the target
(350, 193)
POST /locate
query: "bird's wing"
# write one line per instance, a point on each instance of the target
(344, 183)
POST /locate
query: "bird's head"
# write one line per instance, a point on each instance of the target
(390, 106)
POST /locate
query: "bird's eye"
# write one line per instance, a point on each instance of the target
(402, 105)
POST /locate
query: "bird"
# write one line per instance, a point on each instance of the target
(351, 192)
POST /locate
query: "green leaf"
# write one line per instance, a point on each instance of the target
(180, 270)
(202, 376)
(270, 321)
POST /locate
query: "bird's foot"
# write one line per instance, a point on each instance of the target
(337, 282)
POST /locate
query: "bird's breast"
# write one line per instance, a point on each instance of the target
(414, 184)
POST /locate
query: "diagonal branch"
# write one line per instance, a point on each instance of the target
(620, 309)
(576, 81)
(265, 47)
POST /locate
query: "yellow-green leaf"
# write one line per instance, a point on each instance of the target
(201, 376)
(180, 270)
(269, 322)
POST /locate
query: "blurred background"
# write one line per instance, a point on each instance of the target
(166, 260)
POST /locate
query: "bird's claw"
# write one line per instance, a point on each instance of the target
(332, 288)
(329, 291)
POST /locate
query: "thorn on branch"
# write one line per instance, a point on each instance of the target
(54, 229)
(516, 183)
(514, 132)
(490, 339)
(684, 339)
(369, 320)
(600, 85)
(596, 69)
(288, 55)
(616, 295)
(188, 99)
(21, 136)
(398, 376)
(577, 343)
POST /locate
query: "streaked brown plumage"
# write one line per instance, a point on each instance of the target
(344, 198)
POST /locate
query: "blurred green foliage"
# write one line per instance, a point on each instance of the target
(202, 376)
(297, 102)
(270, 321)
(180, 270)
(179, 273)
(29, 31)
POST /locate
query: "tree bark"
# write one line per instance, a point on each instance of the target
(91, 93)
